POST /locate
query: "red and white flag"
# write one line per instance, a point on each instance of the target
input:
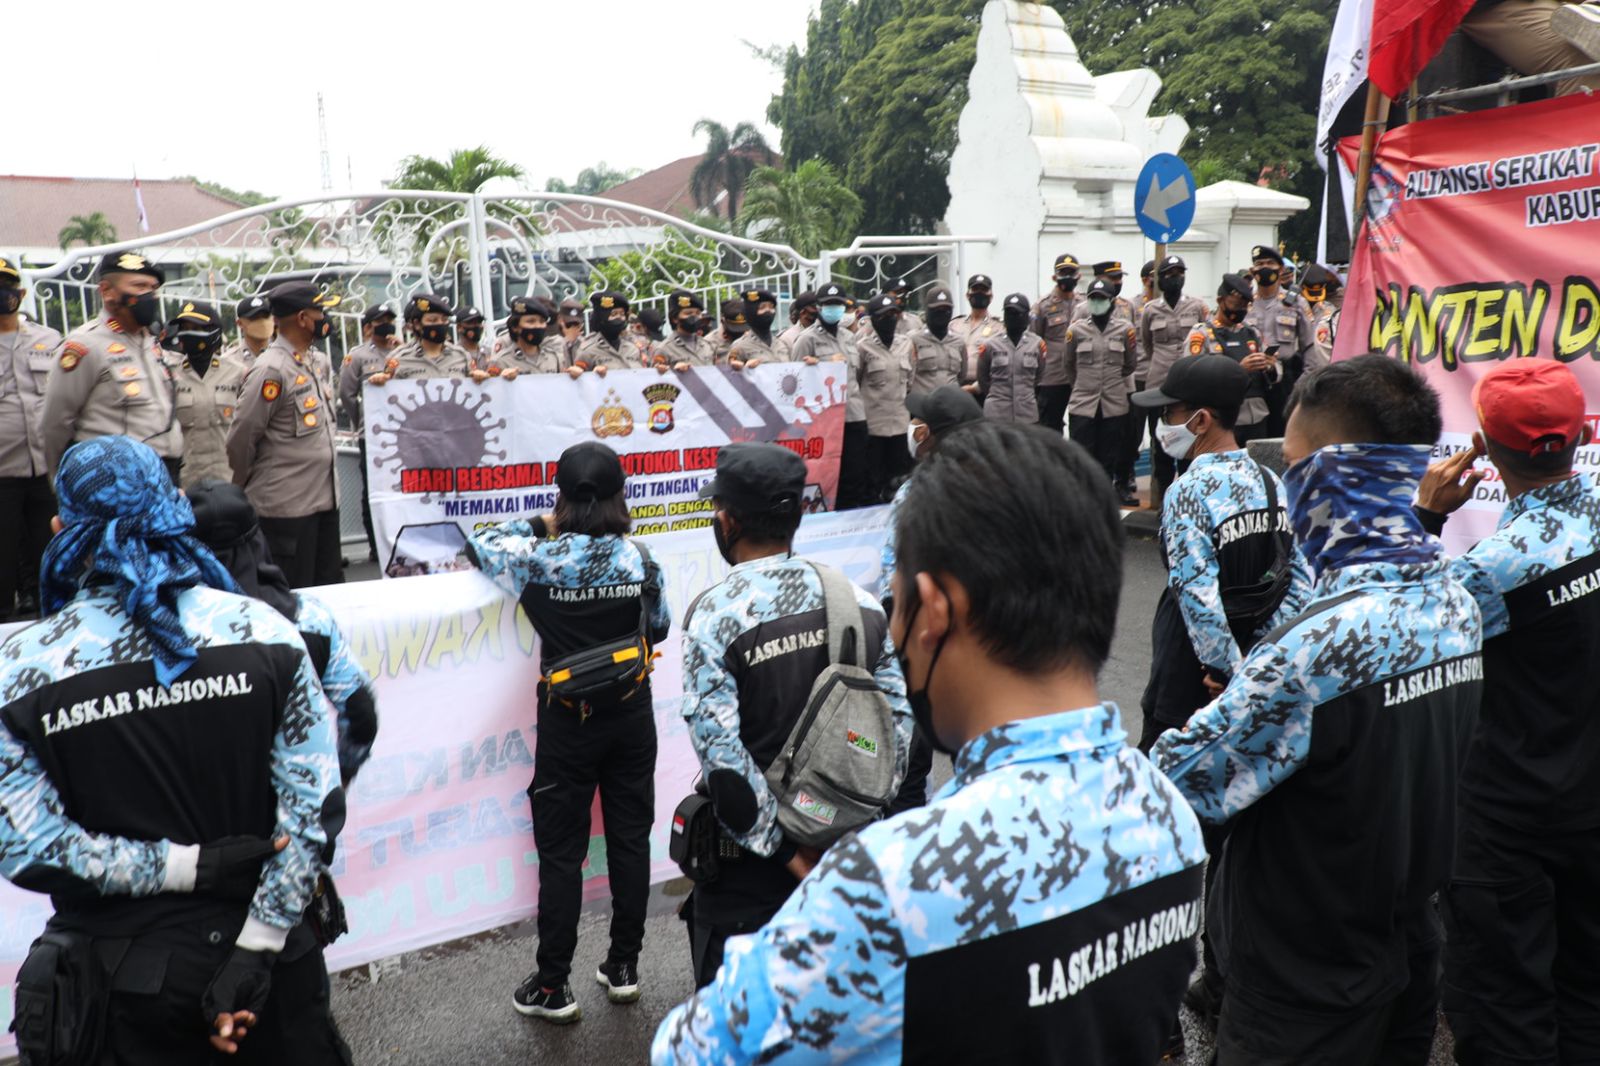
(138, 202)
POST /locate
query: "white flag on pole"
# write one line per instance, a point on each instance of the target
(138, 201)
(1349, 49)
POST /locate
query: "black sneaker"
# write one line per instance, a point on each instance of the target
(552, 1004)
(620, 980)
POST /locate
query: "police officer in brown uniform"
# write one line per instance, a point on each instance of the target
(1009, 365)
(901, 291)
(254, 318)
(940, 354)
(829, 340)
(528, 346)
(758, 345)
(734, 325)
(1281, 319)
(109, 377)
(27, 352)
(570, 322)
(470, 337)
(1110, 271)
(430, 353)
(208, 391)
(379, 339)
(1051, 317)
(802, 313)
(887, 361)
(1320, 290)
(1101, 353)
(606, 347)
(976, 327)
(281, 442)
(1164, 327)
(684, 347)
(1227, 333)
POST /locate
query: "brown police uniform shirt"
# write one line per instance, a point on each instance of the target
(1052, 316)
(1163, 332)
(409, 362)
(1008, 374)
(205, 411)
(973, 331)
(1100, 365)
(26, 357)
(750, 347)
(1324, 325)
(360, 363)
(281, 443)
(549, 358)
(596, 352)
(694, 350)
(721, 345)
(885, 376)
(937, 360)
(105, 382)
(839, 346)
(1282, 320)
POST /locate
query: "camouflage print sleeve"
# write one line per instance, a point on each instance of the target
(661, 615)
(1247, 741)
(711, 708)
(42, 850)
(822, 982)
(305, 772)
(508, 555)
(347, 687)
(1488, 574)
(1195, 577)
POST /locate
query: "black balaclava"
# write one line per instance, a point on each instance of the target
(1016, 319)
(938, 321)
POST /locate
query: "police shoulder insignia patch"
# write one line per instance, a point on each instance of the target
(270, 390)
(1197, 343)
(72, 354)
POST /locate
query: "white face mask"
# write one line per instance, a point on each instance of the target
(1176, 441)
(911, 438)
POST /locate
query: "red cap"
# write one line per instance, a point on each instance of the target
(1530, 405)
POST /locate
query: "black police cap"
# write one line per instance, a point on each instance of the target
(650, 318)
(755, 297)
(375, 312)
(939, 296)
(733, 312)
(832, 294)
(426, 303)
(1108, 266)
(10, 276)
(255, 307)
(755, 478)
(1019, 301)
(1236, 284)
(943, 408)
(130, 263)
(469, 314)
(681, 300)
(589, 471)
(608, 301)
(529, 305)
(804, 300)
(198, 313)
(294, 296)
(981, 283)
(899, 285)
(1199, 381)
(1173, 262)
(1148, 269)
(1101, 287)
(1266, 251)
(1066, 263)
(1317, 274)
(882, 304)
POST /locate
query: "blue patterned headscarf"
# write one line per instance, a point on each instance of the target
(125, 523)
(1351, 503)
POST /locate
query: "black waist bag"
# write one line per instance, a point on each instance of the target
(693, 841)
(325, 914)
(1249, 607)
(610, 672)
(60, 1002)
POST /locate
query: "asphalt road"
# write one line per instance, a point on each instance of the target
(453, 1004)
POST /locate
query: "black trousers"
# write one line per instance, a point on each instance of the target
(306, 549)
(888, 459)
(1101, 436)
(297, 1025)
(1052, 401)
(1522, 955)
(1132, 437)
(612, 749)
(26, 507)
(1163, 470)
(743, 898)
(855, 468)
(366, 500)
(914, 789)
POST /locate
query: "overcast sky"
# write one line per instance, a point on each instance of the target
(228, 92)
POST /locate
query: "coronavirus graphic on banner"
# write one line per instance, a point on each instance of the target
(446, 457)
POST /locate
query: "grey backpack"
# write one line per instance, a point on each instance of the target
(835, 772)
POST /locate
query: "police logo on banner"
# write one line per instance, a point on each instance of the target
(661, 398)
(612, 418)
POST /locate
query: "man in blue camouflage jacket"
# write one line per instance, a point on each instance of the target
(1521, 915)
(1337, 748)
(750, 657)
(1042, 908)
(157, 732)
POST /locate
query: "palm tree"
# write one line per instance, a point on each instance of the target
(728, 162)
(807, 208)
(467, 170)
(91, 229)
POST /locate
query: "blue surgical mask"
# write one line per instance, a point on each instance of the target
(832, 314)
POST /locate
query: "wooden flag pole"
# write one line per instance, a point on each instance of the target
(1376, 118)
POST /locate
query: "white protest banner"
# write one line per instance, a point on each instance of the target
(446, 456)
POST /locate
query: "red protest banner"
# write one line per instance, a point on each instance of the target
(1478, 247)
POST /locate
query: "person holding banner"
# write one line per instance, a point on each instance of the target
(430, 353)
(527, 346)
(758, 345)
(1520, 913)
(685, 347)
(605, 348)
(802, 313)
(734, 325)
(595, 598)
(829, 340)
(469, 336)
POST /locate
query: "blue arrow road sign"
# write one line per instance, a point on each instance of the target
(1163, 198)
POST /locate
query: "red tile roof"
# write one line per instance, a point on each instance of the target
(33, 209)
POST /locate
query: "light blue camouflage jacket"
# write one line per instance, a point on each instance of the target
(341, 679)
(1045, 820)
(757, 602)
(1218, 487)
(91, 632)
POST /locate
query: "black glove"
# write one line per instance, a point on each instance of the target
(231, 867)
(241, 984)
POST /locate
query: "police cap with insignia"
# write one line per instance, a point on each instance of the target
(883, 304)
(199, 313)
(1266, 251)
(1172, 263)
(1201, 381)
(1237, 285)
(375, 312)
(899, 285)
(469, 314)
(1017, 301)
(256, 306)
(755, 478)
(10, 276)
(1101, 287)
(754, 298)
(832, 294)
(650, 319)
(571, 310)
(529, 305)
(980, 283)
(1066, 265)
(1110, 267)
(939, 296)
(608, 300)
(426, 303)
(1317, 274)
(733, 312)
(294, 296)
(130, 263)
(681, 300)
(804, 300)
(589, 471)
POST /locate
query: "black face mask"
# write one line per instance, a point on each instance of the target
(1172, 286)
(1067, 284)
(10, 300)
(883, 326)
(689, 324)
(1233, 314)
(725, 541)
(1016, 323)
(144, 309)
(1267, 277)
(435, 334)
(472, 334)
(611, 328)
(938, 320)
(921, 703)
(383, 330)
(979, 300)
(321, 328)
(198, 345)
(533, 336)
(763, 320)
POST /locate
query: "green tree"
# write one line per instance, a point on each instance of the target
(92, 229)
(648, 275)
(594, 180)
(730, 158)
(807, 208)
(247, 197)
(466, 170)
